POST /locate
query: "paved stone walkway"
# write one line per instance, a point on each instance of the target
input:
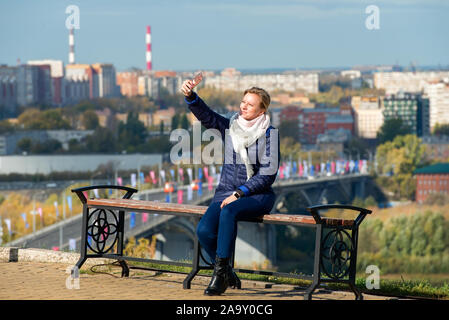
(52, 281)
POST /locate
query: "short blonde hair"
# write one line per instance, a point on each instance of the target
(264, 96)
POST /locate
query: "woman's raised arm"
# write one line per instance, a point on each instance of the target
(208, 118)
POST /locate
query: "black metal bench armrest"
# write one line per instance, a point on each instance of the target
(362, 211)
(79, 191)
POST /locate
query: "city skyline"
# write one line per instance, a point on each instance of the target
(189, 35)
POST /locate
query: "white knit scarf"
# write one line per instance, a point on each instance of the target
(244, 133)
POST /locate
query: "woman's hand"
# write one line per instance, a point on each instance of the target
(228, 200)
(187, 87)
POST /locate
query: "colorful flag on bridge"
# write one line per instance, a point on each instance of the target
(69, 203)
(72, 244)
(281, 172)
(210, 183)
(200, 188)
(133, 180)
(189, 193)
(8, 225)
(181, 174)
(24, 217)
(56, 208)
(180, 196)
(189, 173)
(132, 220)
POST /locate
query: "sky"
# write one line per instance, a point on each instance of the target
(243, 34)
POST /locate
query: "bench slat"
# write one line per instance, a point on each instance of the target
(144, 205)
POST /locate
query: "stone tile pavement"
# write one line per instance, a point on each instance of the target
(52, 281)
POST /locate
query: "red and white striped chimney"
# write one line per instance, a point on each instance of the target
(72, 47)
(148, 53)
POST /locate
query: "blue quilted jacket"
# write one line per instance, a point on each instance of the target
(233, 175)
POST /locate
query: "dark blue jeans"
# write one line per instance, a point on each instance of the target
(217, 229)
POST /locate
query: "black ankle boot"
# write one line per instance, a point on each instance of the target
(234, 281)
(220, 278)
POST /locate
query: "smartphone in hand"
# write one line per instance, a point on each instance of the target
(197, 79)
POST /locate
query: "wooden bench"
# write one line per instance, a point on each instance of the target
(335, 254)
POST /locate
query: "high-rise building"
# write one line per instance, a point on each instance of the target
(128, 82)
(231, 79)
(56, 75)
(394, 82)
(101, 78)
(316, 121)
(106, 80)
(83, 72)
(368, 116)
(151, 83)
(411, 108)
(76, 87)
(27, 85)
(438, 93)
(8, 91)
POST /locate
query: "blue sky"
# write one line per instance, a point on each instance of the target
(208, 34)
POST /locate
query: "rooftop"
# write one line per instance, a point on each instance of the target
(434, 169)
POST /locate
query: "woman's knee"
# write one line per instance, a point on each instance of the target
(228, 214)
(204, 232)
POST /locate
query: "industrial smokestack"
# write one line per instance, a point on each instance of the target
(72, 47)
(148, 52)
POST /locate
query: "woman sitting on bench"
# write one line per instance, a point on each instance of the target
(250, 168)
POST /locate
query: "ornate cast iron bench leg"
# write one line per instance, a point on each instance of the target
(83, 245)
(338, 256)
(101, 228)
(120, 238)
(195, 265)
(353, 264)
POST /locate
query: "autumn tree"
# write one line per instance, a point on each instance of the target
(399, 158)
(391, 128)
(441, 129)
(89, 119)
